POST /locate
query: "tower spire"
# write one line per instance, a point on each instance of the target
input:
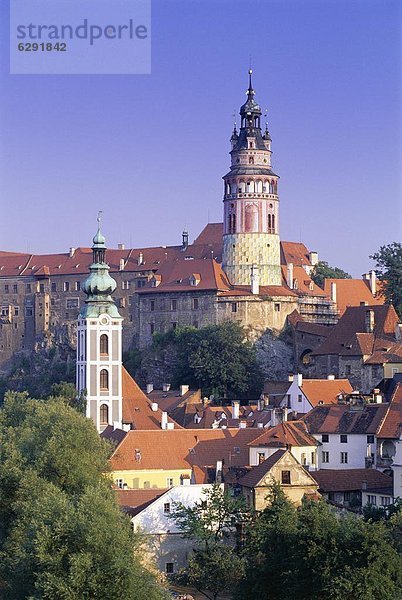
(250, 92)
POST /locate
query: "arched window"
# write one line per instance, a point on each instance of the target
(233, 223)
(266, 187)
(269, 223)
(251, 160)
(273, 223)
(104, 344)
(104, 379)
(104, 414)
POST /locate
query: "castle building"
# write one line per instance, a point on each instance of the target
(251, 204)
(99, 343)
(236, 270)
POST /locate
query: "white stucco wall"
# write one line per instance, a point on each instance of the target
(297, 452)
(397, 469)
(356, 447)
(153, 518)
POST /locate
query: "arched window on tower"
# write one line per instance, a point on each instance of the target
(104, 379)
(269, 223)
(273, 223)
(251, 160)
(104, 344)
(265, 188)
(104, 414)
(233, 223)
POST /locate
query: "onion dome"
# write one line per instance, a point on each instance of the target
(99, 285)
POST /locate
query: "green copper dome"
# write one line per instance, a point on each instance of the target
(99, 285)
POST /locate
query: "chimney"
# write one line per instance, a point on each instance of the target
(71, 252)
(121, 247)
(170, 425)
(218, 475)
(164, 422)
(242, 425)
(140, 259)
(285, 414)
(235, 409)
(291, 377)
(184, 389)
(165, 387)
(260, 425)
(370, 322)
(154, 406)
(274, 418)
(260, 403)
(313, 256)
(184, 240)
(266, 400)
(331, 377)
(255, 280)
(372, 282)
(289, 279)
(121, 264)
(299, 379)
(333, 291)
(150, 388)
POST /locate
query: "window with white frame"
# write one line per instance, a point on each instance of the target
(371, 499)
(344, 438)
(325, 456)
(125, 285)
(385, 500)
(344, 458)
(119, 483)
(169, 482)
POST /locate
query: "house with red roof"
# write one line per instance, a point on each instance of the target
(365, 347)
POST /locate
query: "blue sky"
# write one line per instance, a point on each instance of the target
(150, 150)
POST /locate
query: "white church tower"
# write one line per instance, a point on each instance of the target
(99, 343)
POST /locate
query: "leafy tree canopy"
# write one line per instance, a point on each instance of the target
(311, 553)
(217, 359)
(389, 271)
(215, 565)
(323, 270)
(62, 534)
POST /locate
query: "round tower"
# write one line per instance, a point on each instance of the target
(99, 343)
(251, 202)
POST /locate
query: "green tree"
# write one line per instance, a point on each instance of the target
(312, 553)
(62, 534)
(215, 564)
(323, 270)
(68, 392)
(389, 272)
(217, 358)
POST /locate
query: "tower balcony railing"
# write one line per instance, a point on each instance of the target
(251, 195)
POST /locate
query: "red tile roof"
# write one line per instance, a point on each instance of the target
(345, 480)
(392, 424)
(211, 234)
(175, 276)
(349, 334)
(351, 292)
(253, 477)
(290, 433)
(182, 449)
(136, 406)
(137, 500)
(343, 418)
(295, 253)
(325, 391)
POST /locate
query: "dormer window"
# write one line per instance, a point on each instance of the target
(195, 279)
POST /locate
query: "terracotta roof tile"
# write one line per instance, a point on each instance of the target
(392, 424)
(325, 391)
(295, 253)
(136, 406)
(343, 336)
(344, 480)
(351, 292)
(182, 449)
(342, 418)
(290, 433)
(134, 501)
(253, 477)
